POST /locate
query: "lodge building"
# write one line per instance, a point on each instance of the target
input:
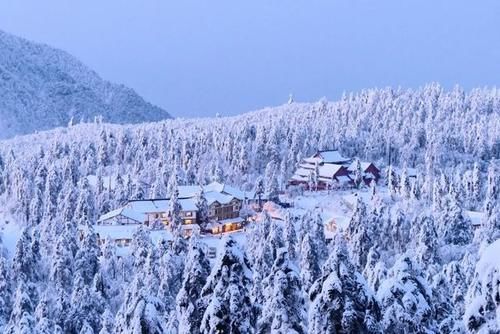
(330, 170)
(225, 204)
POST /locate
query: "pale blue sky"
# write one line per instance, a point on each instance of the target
(197, 58)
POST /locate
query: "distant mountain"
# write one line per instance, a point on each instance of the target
(42, 87)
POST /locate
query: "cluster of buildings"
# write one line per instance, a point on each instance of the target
(330, 170)
(228, 209)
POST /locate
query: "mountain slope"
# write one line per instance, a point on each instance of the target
(42, 88)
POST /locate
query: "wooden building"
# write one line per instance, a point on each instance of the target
(330, 170)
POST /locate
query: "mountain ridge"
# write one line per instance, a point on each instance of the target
(42, 87)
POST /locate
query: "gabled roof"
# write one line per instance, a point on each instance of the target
(218, 197)
(326, 172)
(364, 166)
(329, 170)
(228, 190)
(332, 157)
(125, 212)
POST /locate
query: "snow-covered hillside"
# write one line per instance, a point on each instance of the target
(403, 253)
(42, 88)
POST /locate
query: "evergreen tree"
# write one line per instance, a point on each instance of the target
(202, 206)
(360, 231)
(340, 299)
(375, 271)
(107, 322)
(309, 262)
(141, 312)
(259, 190)
(482, 299)
(427, 242)
(406, 299)
(284, 308)
(86, 259)
(21, 318)
(358, 173)
(188, 300)
(86, 308)
(291, 240)
(5, 289)
(225, 296)
(456, 228)
(44, 323)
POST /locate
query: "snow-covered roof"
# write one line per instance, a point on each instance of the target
(364, 166)
(329, 170)
(303, 172)
(296, 177)
(475, 217)
(163, 205)
(214, 186)
(228, 190)
(313, 160)
(241, 195)
(218, 197)
(142, 206)
(332, 157)
(326, 171)
(188, 191)
(125, 212)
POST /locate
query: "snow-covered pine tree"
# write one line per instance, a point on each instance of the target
(43, 316)
(492, 197)
(313, 222)
(202, 206)
(392, 182)
(21, 318)
(271, 182)
(111, 273)
(404, 184)
(456, 228)
(86, 263)
(85, 310)
(482, 298)
(107, 322)
(427, 242)
(259, 190)
(448, 299)
(225, 296)
(375, 270)
(406, 299)
(309, 262)
(358, 173)
(360, 232)
(141, 311)
(85, 206)
(174, 212)
(340, 299)
(284, 307)
(265, 255)
(5, 289)
(196, 271)
(291, 240)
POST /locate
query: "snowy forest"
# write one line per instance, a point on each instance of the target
(410, 261)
